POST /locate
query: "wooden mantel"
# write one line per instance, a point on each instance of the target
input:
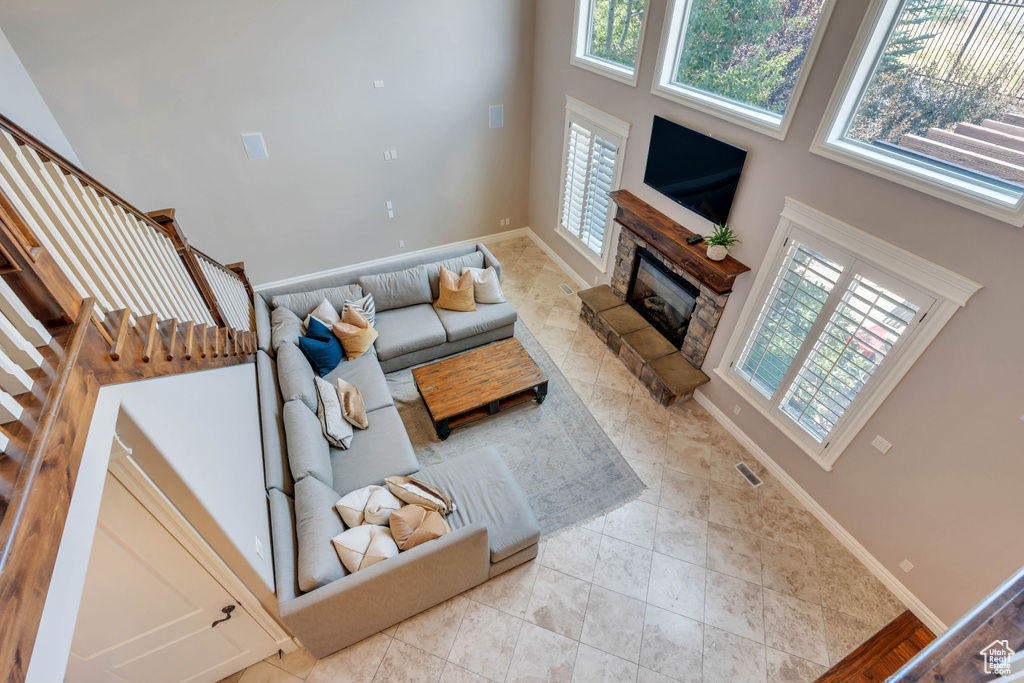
(669, 238)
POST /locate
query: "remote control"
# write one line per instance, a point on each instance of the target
(694, 239)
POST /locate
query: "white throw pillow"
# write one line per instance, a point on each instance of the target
(486, 288)
(336, 428)
(368, 505)
(325, 313)
(364, 546)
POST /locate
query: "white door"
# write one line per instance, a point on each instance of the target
(148, 607)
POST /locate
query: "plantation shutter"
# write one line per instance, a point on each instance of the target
(828, 322)
(589, 173)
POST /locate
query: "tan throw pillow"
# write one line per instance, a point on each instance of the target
(368, 505)
(416, 492)
(355, 333)
(352, 406)
(456, 293)
(325, 313)
(364, 546)
(414, 524)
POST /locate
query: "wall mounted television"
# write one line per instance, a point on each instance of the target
(693, 169)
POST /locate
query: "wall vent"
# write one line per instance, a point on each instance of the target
(568, 290)
(748, 474)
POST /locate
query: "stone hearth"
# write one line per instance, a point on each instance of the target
(669, 375)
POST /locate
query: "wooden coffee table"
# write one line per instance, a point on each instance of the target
(471, 386)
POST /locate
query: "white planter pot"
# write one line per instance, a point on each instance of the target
(716, 252)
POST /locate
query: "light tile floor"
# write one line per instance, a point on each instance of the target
(703, 578)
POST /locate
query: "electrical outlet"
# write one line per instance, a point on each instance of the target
(378, 84)
(259, 547)
(401, 244)
(391, 214)
(597, 279)
(736, 410)
(508, 221)
(394, 154)
(881, 444)
(389, 206)
(906, 565)
(387, 155)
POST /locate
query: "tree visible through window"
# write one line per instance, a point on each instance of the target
(615, 29)
(750, 51)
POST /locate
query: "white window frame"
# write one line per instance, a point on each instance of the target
(581, 41)
(949, 291)
(829, 141)
(772, 125)
(597, 121)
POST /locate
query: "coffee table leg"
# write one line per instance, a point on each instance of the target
(443, 430)
(542, 392)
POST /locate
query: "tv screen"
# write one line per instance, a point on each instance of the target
(694, 169)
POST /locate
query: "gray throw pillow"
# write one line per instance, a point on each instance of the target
(303, 303)
(316, 523)
(295, 375)
(399, 289)
(285, 327)
(471, 260)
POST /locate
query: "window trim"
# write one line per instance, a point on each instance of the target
(950, 291)
(673, 30)
(853, 81)
(580, 36)
(581, 110)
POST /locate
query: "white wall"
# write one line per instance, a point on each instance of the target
(942, 494)
(155, 95)
(21, 102)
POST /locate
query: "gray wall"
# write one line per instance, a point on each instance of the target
(946, 491)
(155, 95)
(21, 102)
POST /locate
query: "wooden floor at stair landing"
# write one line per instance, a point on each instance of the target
(883, 654)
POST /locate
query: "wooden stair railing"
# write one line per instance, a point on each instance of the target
(882, 654)
(93, 292)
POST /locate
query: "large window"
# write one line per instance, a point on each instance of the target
(836, 318)
(608, 35)
(743, 60)
(594, 146)
(933, 98)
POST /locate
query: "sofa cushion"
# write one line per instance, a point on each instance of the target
(316, 523)
(465, 324)
(295, 376)
(303, 303)
(472, 260)
(381, 451)
(398, 289)
(486, 491)
(275, 461)
(308, 451)
(285, 327)
(405, 330)
(365, 374)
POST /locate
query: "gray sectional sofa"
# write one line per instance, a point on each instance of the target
(493, 530)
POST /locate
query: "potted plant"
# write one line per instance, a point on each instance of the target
(719, 242)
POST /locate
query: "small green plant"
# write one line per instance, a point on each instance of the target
(722, 235)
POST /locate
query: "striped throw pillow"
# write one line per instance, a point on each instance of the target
(366, 307)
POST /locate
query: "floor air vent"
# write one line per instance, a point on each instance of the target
(566, 288)
(748, 474)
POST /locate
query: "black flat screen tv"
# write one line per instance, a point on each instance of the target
(694, 169)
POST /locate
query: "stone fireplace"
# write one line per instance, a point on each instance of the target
(664, 303)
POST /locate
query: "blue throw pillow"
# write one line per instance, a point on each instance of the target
(321, 348)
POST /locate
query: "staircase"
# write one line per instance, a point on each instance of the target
(995, 147)
(93, 292)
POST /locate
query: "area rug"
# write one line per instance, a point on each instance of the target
(569, 469)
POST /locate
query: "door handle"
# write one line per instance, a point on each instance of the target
(227, 615)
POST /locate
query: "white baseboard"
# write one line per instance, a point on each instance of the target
(580, 281)
(382, 262)
(860, 552)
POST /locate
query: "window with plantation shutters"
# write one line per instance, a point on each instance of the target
(836, 318)
(590, 171)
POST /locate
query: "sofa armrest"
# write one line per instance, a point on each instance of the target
(489, 260)
(357, 606)
(262, 311)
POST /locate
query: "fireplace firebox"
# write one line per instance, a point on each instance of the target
(663, 298)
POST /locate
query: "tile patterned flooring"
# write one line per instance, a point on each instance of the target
(703, 578)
